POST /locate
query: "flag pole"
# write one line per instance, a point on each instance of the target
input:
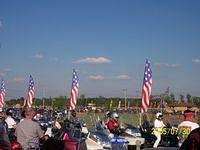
(43, 99)
(68, 114)
(140, 115)
(140, 119)
(69, 111)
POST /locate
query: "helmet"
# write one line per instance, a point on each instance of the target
(115, 115)
(9, 112)
(108, 114)
(158, 115)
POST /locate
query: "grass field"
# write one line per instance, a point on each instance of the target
(125, 118)
(131, 118)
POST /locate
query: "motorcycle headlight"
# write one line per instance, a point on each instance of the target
(111, 136)
(137, 134)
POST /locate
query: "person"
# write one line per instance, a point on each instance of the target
(185, 127)
(9, 119)
(73, 117)
(146, 127)
(158, 125)
(27, 131)
(11, 124)
(114, 125)
(193, 140)
(4, 140)
(22, 115)
(104, 122)
(108, 117)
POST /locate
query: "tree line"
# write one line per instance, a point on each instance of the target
(82, 101)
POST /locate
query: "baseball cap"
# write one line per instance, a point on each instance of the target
(188, 113)
(158, 115)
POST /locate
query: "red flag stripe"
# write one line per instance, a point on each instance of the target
(147, 83)
(2, 94)
(31, 93)
(74, 90)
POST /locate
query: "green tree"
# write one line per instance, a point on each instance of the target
(189, 98)
(172, 97)
(181, 98)
(165, 96)
(196, 101)
(82, 100)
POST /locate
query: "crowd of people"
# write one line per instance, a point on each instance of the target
(23, 135)
(26, 133)
(23, 130)
(188, 131)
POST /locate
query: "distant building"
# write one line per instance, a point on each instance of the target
(91, 106)
(181, 107)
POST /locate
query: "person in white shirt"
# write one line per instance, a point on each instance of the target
(158, 125)
(185, 127)
(9, 120)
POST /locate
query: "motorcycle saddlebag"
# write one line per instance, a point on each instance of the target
(75, 145)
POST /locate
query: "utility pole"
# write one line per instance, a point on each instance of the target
(125, 96)
(137, 97)
(65, 99)
(52, 103)
(43, 97)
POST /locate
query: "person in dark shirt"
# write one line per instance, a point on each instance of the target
(193, 141)
(4, 140)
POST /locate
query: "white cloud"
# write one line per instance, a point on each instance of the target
(38, 56)
(122, 77)
(19, 79)
(196, 61)
(7, 69)
(93, 60)
(96, 77)
(167, 65)
(2, 74)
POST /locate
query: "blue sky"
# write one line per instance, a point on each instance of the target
(107, 41)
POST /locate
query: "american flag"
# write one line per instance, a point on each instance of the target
(74, 90)
(31, 93)
(2, 94)
(147, 82)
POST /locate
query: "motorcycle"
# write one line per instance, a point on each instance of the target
(168, 137)
(130, 136)
(71, 136)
